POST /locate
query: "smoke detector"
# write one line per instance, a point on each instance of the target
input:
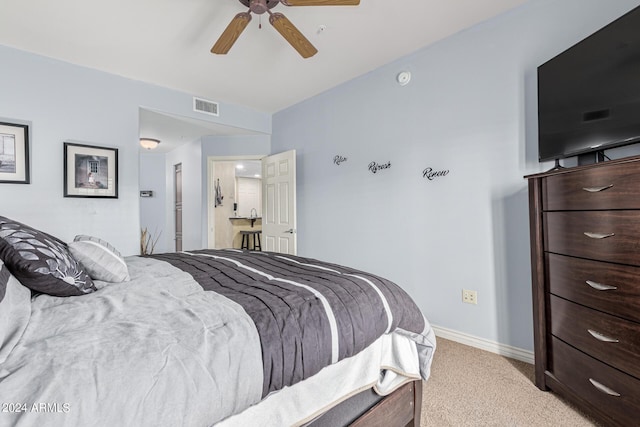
(403, 78)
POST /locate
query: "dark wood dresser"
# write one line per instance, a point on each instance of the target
(585, 255)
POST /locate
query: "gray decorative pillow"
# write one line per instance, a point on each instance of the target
(101, 260)
(40, 261)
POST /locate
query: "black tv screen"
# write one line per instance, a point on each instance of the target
(589, 95)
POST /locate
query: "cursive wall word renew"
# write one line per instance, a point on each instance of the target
(430, 174)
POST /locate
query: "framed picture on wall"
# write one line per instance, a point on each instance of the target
(14, 153)
(90, 171)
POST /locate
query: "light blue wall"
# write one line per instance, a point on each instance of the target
(153, 211)
(470, 108)
(64, 102)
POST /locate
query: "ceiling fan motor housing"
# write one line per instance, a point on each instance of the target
(259, 6)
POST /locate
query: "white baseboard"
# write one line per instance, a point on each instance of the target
(484, 344)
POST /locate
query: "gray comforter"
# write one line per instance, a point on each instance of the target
(155, 351)
(308, 313)
(167, 350)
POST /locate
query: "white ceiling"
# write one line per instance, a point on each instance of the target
(168, 42)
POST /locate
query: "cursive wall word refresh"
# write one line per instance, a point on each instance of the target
(375, 167)
(339, 159)
(430, 174)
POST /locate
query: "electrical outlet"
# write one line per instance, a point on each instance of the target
(470, 297)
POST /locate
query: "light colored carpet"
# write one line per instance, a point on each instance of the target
(472, 387)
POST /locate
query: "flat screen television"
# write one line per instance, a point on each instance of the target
(589, 95)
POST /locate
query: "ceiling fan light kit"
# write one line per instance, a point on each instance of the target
(280, 22)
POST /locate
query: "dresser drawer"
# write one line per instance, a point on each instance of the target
(604, 387)
(613, 187)
(610, 339)
(608, 287)
(600, 235)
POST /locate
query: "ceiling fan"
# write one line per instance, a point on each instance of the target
(278, 20)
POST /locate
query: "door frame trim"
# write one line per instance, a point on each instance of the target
(175, 203)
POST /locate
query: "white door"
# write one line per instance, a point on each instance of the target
(279, 203)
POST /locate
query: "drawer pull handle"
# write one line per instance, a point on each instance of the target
(600, 337)
(603, 388)
(597, 189)
(598, 235)
(600, 286)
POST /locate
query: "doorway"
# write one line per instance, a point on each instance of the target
(235, 200)
(277, 201)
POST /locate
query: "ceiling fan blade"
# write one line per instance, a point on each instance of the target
(231, 33)
(292, 35)
(320, 2)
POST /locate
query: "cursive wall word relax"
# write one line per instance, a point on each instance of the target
(375, 167)
(339, 159)
(430, 174)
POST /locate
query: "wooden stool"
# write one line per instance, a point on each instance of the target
(256, 240)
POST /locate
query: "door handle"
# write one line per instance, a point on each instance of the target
(290, 231)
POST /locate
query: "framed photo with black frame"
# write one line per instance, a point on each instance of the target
(90, 171)
(14, 153)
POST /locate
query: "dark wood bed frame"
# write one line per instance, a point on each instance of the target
(399, 409)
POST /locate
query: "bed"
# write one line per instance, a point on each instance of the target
(201, 338)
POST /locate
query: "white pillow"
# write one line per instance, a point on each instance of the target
(99, 259)
(15, 311)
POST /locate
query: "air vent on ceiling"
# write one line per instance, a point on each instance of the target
(204, 106)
